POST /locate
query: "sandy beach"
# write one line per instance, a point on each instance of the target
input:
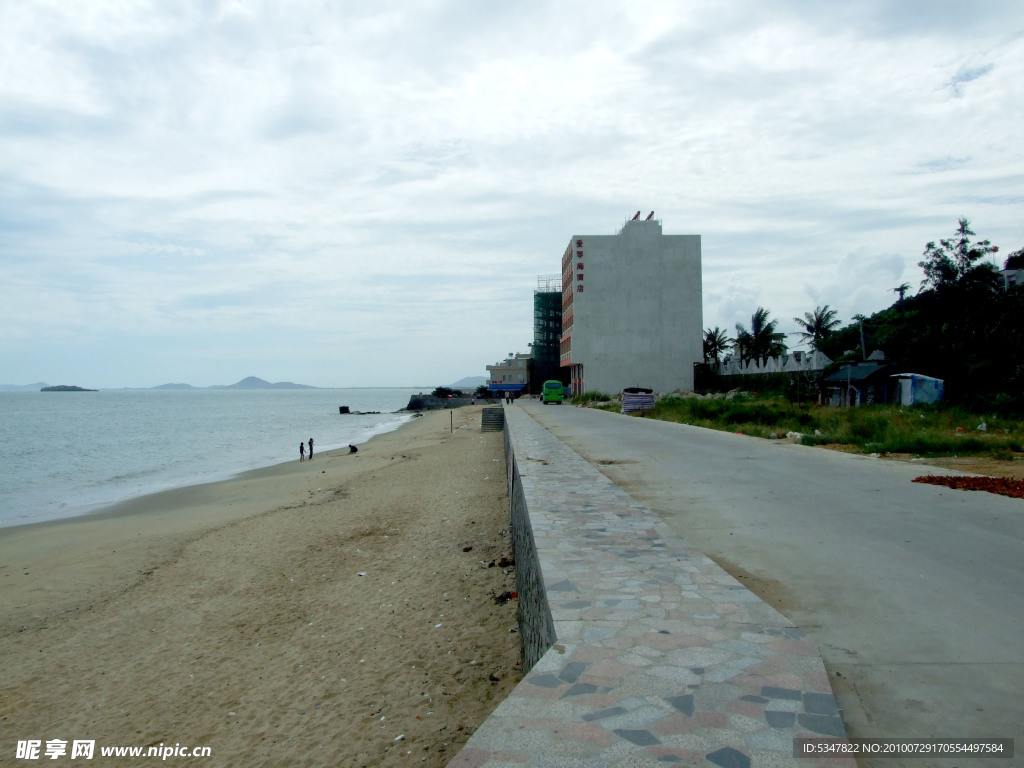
(335, 612)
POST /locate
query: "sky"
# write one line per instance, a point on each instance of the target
(365, 194)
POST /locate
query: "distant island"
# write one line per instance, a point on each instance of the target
(250, 382)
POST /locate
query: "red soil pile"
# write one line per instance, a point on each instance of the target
(1001, 485)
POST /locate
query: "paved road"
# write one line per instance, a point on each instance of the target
(914, 593)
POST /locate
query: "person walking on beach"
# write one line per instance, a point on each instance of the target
(302, 451)
(311, 449)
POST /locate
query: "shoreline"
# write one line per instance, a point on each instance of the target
(338, 611)
(159, 517)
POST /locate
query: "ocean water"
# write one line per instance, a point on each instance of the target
(64, 454)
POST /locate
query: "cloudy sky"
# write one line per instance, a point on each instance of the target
(364, 194)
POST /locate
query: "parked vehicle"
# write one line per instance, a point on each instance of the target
(553, 392)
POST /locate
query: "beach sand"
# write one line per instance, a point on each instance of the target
(333, 612)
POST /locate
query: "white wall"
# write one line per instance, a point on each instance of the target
(638, 321)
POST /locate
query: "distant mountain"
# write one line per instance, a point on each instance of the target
(470, 382)
(249, 383)
(254, 383)
(23, 387)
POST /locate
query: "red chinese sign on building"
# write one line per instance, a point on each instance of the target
(579, 266)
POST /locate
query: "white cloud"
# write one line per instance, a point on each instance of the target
(196, 187)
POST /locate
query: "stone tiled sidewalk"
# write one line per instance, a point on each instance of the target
(661, 657)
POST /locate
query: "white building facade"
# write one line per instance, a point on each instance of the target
(631, 309)
(510, 375)
(1012, 278)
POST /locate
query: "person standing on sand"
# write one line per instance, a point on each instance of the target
(311, 449)
(302, 451)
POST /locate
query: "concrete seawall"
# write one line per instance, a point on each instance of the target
(639, 649)
(431, 403)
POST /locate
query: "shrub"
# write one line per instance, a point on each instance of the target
(446, 392)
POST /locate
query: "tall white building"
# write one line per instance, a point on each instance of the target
(631, 309)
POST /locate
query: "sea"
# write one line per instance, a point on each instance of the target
(64, 454)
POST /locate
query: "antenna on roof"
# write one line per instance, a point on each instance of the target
(649, 216)
(636, 217)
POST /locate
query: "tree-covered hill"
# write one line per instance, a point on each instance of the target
(962, 327)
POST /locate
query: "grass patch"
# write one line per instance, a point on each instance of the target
(920, 430)
(591, 397)
(599, 400)
(753, 416)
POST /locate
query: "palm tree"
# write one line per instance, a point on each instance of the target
(743, 344)
(952, 261)
(901, 289)
(817, 326)
(716, 341)
(761, 341)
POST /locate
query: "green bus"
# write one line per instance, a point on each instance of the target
(553, 392)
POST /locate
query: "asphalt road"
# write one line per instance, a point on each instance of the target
(913, 592)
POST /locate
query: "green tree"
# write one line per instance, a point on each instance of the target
(817, 326)
(954, 261)
(961, 327)
(762, 340)
(1015, 260)
(716, 342)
